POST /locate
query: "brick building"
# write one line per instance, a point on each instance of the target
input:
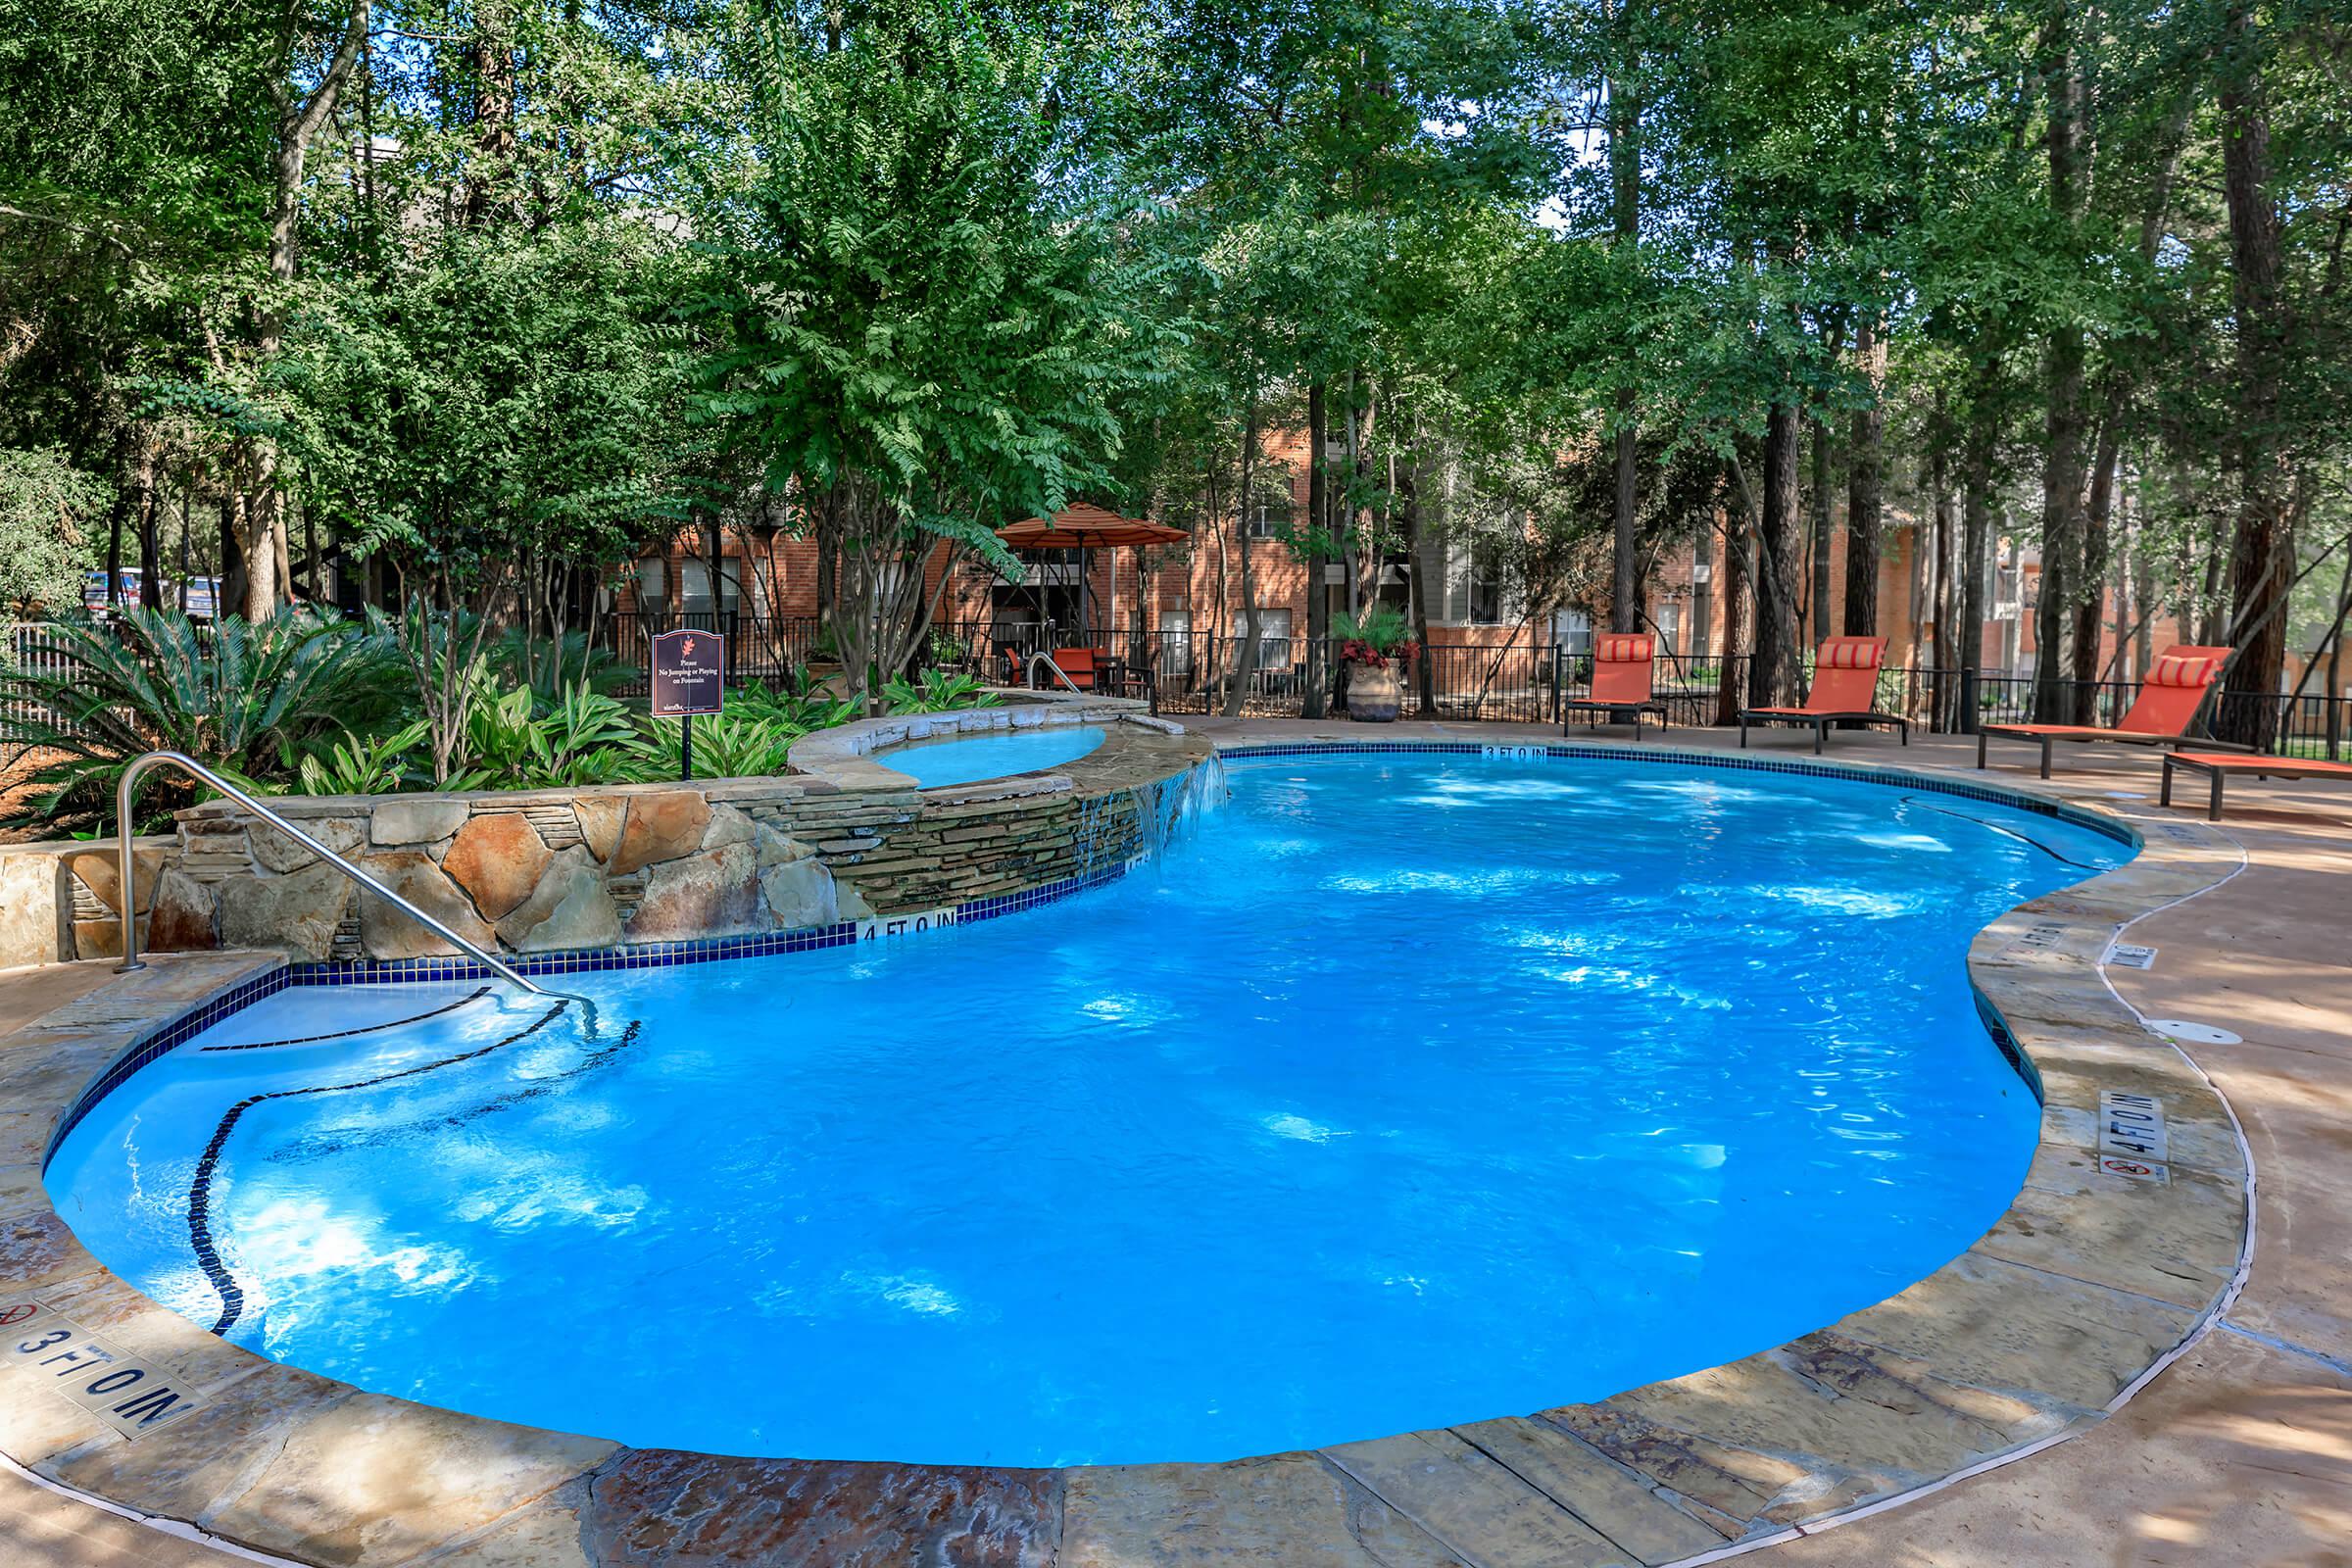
(1184, 595)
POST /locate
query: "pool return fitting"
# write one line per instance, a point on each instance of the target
(205, 775)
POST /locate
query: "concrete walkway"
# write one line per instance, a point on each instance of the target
(38, 1526)
(2239, 1454)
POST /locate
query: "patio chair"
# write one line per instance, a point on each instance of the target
(1623, 664)
(2219, 765)
(1078, 663)
(1845, 687)
(2174, 694)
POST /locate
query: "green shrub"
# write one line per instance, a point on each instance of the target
(243, 699)
(937, 692)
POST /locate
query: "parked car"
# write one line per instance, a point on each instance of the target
(203, 593)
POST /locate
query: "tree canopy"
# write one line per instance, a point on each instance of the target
(506, 287)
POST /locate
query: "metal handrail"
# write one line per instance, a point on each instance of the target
(1059, 674)
(197, 770)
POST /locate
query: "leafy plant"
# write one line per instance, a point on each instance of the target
(234, 696)
(739, 745)
(936, 691)
(1374, 637)
(357, 764)
(547, 665)
(513, 742)
(801, 711)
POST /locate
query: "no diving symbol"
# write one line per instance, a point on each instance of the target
(15, 1314)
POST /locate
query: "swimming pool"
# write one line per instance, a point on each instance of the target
(968, 759)
(1403, 1092)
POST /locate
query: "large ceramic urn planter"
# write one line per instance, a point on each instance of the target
(1374, 696)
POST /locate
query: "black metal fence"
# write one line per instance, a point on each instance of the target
(1521, 680)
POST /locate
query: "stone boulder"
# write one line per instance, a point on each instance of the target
(600, 819)
(498, 858)
(777, 848)
(297, 913)
(708, 895)
(387, 933)
(100, 872)
(278, 853)
(184, 919)
(660, 827)
(800, 893)
(571, 907)
(728, 826)
(421, 819)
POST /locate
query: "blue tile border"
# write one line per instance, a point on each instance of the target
(844, 933)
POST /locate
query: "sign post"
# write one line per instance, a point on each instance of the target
(689, 676)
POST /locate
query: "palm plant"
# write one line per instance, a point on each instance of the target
(90, 699)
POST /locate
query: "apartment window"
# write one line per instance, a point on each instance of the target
(1572, 630)
(1273, 638)
(1175, 642)
(653, 585)
(1473, 594)
(1486, 586)
(1670, 629)
(1263, 525)
(695, 597)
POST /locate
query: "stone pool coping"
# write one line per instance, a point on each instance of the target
(2089, 1285)
(844, 756)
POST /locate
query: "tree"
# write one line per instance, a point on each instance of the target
(47, 506)
(924, 324)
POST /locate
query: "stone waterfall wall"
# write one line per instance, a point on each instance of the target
(516, 872)
(545, 872)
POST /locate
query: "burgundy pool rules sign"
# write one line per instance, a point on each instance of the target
(689, 676)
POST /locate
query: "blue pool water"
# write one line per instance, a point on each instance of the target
(932, 763)
(1400, 1091)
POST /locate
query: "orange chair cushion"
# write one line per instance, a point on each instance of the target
(1852, 653)
(1845, 676)
(1626, 648)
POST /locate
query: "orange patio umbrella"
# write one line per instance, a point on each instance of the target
(1086, 528)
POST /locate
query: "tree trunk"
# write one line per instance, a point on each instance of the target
(300, 117)
(1975, 547)
(1245, 664)
(151, 556)
(2062, 464)
(1775, 674)
(1408, 499)
(1939, 575)
(1736, 579)
(1817, 550)
(1314, 699)
(2259, 562)
(118, 514)
(1865, 486)
(1625, 176)
(493, 111)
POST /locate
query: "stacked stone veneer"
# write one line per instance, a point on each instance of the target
(581, 869)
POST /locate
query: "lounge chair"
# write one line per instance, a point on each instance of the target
(2219, 765)
(1078, 663)
(1846, 686)
(2169, 700)
(1622, 667)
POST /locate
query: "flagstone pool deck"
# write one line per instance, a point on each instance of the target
(2005, 1367)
